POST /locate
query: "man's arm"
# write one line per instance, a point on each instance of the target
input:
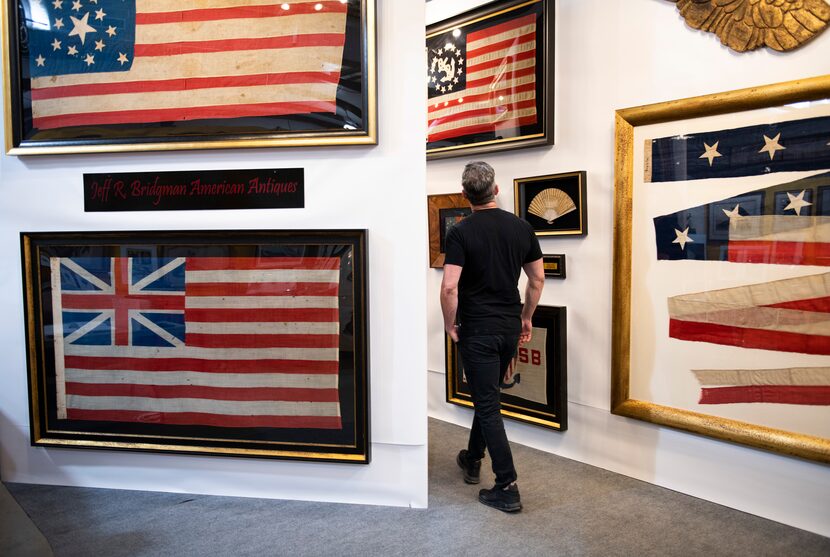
(535, 272)
(449, 298)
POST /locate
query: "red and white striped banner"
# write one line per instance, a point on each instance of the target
(805, 386)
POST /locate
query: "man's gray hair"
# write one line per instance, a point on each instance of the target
(478, 181)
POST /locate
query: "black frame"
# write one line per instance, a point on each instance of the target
(554, 414)
(554, 265)
(346, 440)
(535, 134)
(574, 184)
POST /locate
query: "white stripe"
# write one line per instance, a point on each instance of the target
(137, 316)
(459, 108)
(241, 28)
(163, 6)
(260, 302)
(763, 318)
(93, 324)
(503, 36)
(87, 276)
(501, 69)
(786, 376)
(483, 90)
(488, 119)
(276, 328)
(315, 354)
(512, 50)
(239, 380)
(780, 228)
(265, 275)
(207, 406)
(157, 274)
(57, 335)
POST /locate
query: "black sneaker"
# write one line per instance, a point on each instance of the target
(471, 468)
(505, 499)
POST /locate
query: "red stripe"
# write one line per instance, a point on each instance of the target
(259, 263)
(488, 96)
(202, 340)
(749, 338)
(501, 45)
(501, 28)
(184, 84)
(196, 418)
(818, 395)
(206, 366)
(178, 114)
(491, 110)
(245, 315)
(137, 301)
(820, 305)
(212, 393)
(502, 78)
(242, 12)
(228, 45)
(512, 58)
(262, 289)
(781, 253)
(483, 128)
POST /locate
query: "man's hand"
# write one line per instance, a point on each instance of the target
(453, 332)
(527, 331)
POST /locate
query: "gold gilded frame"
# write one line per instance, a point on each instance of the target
(777, 440)
(16, 145)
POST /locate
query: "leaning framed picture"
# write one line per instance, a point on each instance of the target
(534, 389)
(239, 343)
(553, 204)
(445, 210)
(490, 79)
(720, 266)
(134, 75)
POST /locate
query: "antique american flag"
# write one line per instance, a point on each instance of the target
(804, 385)
(483, 81)
(99, 62)
(227, 341)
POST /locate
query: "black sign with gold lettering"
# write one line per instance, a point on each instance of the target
(282, 188)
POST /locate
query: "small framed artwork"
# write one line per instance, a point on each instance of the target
(721, 209)
(128, 76)
(553, 204)
(534, 389)
(445, 210)
(554, 265)
(230, 343)
(490, 79)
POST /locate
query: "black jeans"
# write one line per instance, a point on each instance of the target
(485, 359)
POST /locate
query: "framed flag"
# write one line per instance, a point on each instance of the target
(554, 205)
(128, 75)
(721, 282)
(490, 79)
(534, 389)
(445, 210)
(230, 343)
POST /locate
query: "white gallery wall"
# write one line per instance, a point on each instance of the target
(378, 188)
(613, 54)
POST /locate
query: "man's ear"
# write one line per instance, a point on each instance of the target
(496, 190)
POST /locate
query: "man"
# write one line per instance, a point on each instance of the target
(483, 314)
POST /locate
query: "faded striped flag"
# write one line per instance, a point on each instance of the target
(483, 82)
(229, 341)
(789, 315)
(803, 385)
(143, 61)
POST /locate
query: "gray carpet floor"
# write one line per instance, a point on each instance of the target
(570, 509)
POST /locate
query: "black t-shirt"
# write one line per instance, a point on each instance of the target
(490, 246)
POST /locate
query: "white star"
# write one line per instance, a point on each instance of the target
(72, 50)
(440, 51)
(449, 87)
(733, 215)
(711, 152)
(111, 31)
(122, 58)
(81, 27)
(682, 238)
(771, 146)
(76, 5)
(99, 45)
(59, 23)
(58, 4)
(797, 202)
(99, 14)
(41, 61)
(90, 59)
(56, 45)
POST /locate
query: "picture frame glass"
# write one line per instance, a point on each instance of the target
(554, 205)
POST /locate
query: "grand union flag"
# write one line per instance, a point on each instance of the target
(232, 342)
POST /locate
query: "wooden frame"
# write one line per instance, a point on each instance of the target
(257, 92)
(507, 109)
(541, 398)
(444, 210)
(237, 343)
(554, 204)
(667, 400)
